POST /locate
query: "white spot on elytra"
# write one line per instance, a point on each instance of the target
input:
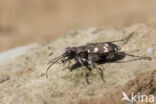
(83, 59)
(96, 49)
(88, 51)
(106, 44)
(105, 49)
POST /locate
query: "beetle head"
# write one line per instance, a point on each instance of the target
(69, 52)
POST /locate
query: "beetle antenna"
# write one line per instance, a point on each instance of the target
(52, 62)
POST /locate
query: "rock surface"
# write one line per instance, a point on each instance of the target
(27, 82)
(3, 78)
(10, 55)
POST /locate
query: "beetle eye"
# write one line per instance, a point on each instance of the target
(70, 51)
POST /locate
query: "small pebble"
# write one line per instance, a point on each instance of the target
(149, 51)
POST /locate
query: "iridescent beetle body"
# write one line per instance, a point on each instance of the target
(90, 54)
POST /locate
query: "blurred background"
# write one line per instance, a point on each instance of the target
(29, 21)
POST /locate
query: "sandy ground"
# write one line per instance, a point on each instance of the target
(47, 22)
(24, 80)
(28, 21)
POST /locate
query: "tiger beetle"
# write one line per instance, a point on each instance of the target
(92, 54)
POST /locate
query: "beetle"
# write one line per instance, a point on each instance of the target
(91, 54)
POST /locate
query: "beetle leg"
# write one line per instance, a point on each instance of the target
(85, 74)
(139, 57)
(99, 71)
(74, 66)
(92, 62)
(90, 69)
(125, 39)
